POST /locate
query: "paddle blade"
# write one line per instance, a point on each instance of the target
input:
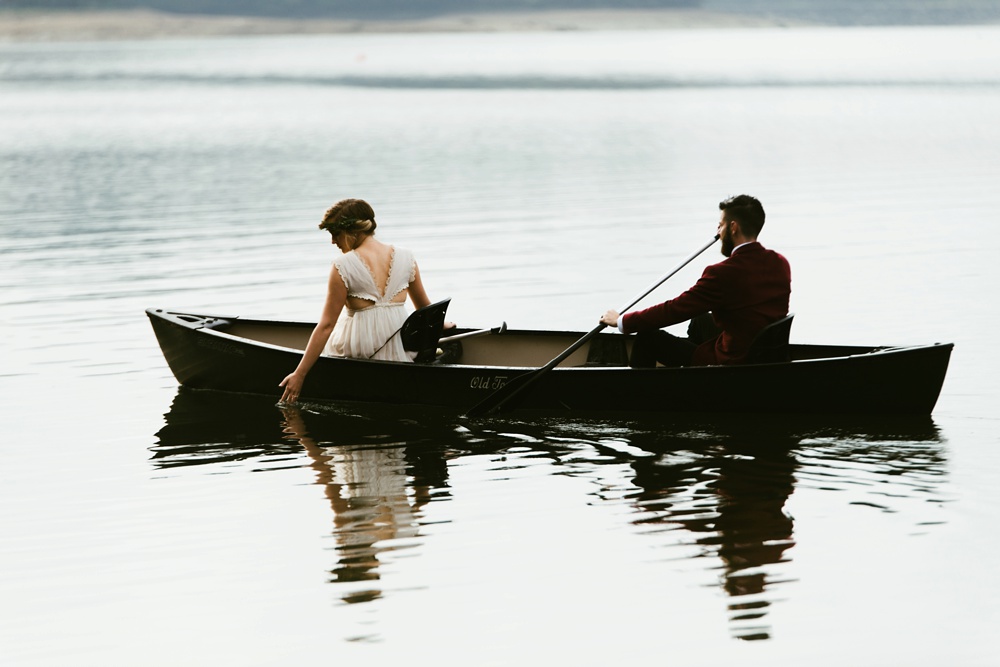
(423, 327)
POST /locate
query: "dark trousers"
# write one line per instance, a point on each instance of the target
(656, 345)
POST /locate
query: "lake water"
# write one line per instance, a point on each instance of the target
(540, 179)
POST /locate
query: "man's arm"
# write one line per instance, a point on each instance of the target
(700, 298)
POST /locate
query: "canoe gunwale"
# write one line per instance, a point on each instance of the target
(208, 324)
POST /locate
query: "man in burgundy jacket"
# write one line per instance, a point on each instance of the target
(744, 293)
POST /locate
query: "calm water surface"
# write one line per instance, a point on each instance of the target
(540, 179)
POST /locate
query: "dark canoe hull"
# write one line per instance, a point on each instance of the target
(819, 380)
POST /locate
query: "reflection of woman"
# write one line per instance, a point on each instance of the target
(370, 493)
(369, 282)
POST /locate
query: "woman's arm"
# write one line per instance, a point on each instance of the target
(336, 297)
(416, 288)
(419, 295)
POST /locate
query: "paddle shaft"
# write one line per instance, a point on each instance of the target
(471, 334)
(502, 396)
(670, 275)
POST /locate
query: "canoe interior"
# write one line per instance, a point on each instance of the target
(521, 348)
(516, 348)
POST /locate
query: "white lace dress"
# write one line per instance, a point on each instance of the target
(363, 333)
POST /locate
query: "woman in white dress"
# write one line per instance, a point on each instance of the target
(366, 295)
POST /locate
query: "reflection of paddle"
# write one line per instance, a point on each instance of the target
(505, 394)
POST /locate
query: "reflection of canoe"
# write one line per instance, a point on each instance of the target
(232, 354)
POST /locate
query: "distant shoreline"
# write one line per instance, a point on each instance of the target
(43, 25)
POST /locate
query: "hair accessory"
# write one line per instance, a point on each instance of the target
(346, 224)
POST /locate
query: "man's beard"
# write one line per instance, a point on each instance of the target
(727, 245)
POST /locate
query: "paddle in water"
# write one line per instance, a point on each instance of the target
(505, 395)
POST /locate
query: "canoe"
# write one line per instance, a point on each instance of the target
(251, 356)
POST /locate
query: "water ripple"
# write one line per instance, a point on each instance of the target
(708, 497)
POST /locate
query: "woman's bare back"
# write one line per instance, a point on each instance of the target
(377, 257)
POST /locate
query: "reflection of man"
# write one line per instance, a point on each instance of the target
(753, 530)
(747, 483)
(744, 293)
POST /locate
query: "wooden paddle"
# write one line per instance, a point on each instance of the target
(471, 334)
(503, 396)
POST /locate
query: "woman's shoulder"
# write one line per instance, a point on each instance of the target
(406, 263)
(402, 254)
(343, 258)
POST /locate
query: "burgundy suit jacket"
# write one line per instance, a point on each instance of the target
(744, 293)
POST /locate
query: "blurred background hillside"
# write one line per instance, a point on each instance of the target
(825, 12)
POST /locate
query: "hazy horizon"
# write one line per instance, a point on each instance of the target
(831, 12)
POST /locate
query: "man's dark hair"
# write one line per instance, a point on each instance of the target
(746, 210)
